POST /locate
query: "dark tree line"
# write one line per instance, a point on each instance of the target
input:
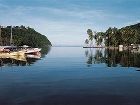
(124, 36)
(23, 36)
(115, 37)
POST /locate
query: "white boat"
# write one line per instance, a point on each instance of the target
(17, 54)
(32, 50)
(26, 49)
(35, 56)
(7, 48)
(29, 50)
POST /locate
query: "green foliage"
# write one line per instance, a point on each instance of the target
(125, 36)
(115, 37)
(90, 34)
(24, 36)
(99, 38)
(86, 41)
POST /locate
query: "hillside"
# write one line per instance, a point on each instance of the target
(23, 36)
(114, 37)
(136, 26)
(125, 36)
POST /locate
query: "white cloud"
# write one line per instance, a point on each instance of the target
(59, 32)
(61, 26)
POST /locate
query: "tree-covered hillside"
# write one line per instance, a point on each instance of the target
(23, 36)
(114, 37)
(125, 36)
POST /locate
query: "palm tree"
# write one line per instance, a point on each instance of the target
(87, 42)
(99, 38)
(90, 35)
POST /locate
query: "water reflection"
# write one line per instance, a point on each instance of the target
(113, 57)
(21, 60)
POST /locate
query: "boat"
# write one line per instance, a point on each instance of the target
(32, 50)
(29, 50)
(24, 49)
(20, 56)
(8, 48)
(17, 54)
(35, 56)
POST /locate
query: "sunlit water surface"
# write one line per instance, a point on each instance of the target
(73, 76)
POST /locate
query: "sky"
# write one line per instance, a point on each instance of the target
(65, 22)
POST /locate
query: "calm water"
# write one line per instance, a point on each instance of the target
(72, 76)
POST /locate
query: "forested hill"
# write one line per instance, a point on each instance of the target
(23, 36)
(136, 26)
(114, 37)
(125, 36)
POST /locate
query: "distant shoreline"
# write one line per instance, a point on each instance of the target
(104, 47)
(89, 47)
(67, 46)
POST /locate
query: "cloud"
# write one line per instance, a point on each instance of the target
(62, 25)
(61, 14)
(60, 33)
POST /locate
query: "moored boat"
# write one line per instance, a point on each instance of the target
(35, 56)
(29, 50)
(11, 54)
(14, 50)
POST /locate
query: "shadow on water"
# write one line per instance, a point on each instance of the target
(26, 60)
(112, 57)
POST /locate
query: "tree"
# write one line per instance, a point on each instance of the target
(115, 37)
(87, 42)
(24, 36)
(90, 35)
(108, 36)
(99, 38)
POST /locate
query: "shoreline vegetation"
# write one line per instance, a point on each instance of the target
(22, 35)
(113, 38)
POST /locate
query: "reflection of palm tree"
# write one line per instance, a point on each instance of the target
(98, 55)
(87, 42)
(125, 59)
(94, 58)
(112, 58)
(86, 53)
(90, 58)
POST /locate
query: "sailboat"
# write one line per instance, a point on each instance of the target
(30, 50)
(6, 48)
(10, 50)
(22, 49)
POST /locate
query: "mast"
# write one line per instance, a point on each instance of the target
(0, 37)
(11, 38)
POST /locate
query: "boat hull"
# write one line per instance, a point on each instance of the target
(32, 51)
